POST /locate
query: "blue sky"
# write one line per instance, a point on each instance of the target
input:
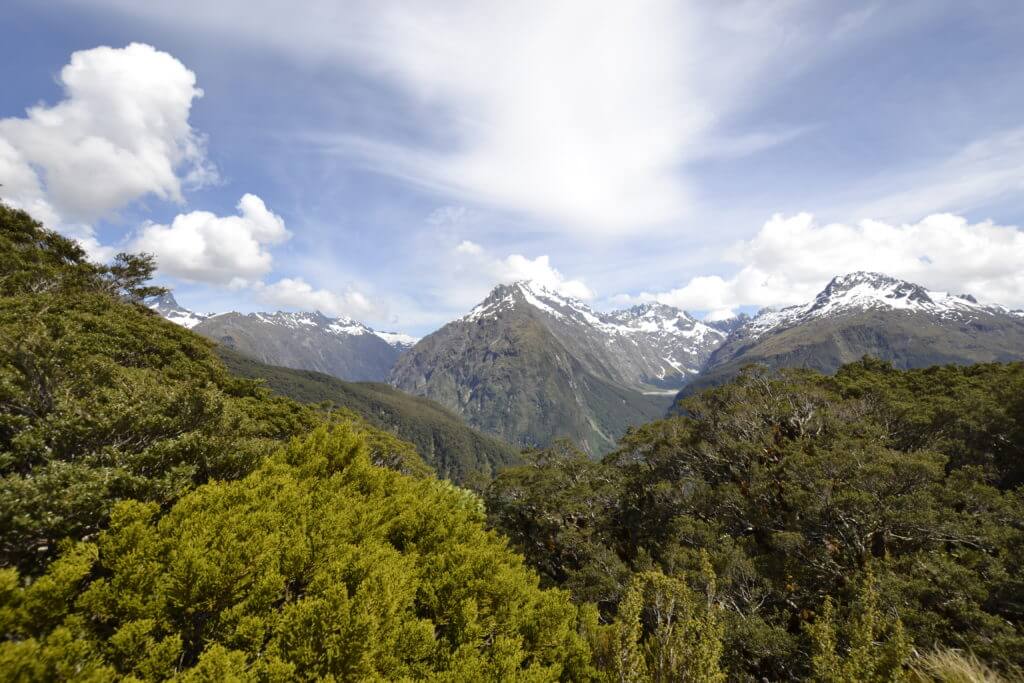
(399, 159)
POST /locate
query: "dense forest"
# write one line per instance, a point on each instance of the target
(162, 518)
(804, 496)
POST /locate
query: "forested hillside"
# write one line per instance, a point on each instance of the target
(861, 516)
(445, 442)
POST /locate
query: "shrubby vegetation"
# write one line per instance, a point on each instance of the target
(796, 488)
(319, 564)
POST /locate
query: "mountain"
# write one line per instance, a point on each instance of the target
(872, 314)
(442, 439)
(727, 325)
(169, 308)
(341, 347)
(399, 340)
(651, 346)
(672, 345)
(532, 365)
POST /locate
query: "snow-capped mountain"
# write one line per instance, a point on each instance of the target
(169, 308)
(398, 340)
(864, 291)
(531, 365)
(341, 326)
(647, 346)
(340, 346)
(676, 337)
(872, 314)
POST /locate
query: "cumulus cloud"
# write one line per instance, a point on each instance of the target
(121, 132)
(297, 293)
(518, 267)
(477, 272)
(200, 246)
(791, 258)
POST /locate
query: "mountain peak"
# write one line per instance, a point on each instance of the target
(165, 300)
(866, 284)
(168, 307)
(863, 291)
(506, 297)
(340, 326)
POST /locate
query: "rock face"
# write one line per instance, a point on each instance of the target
(531, 365)
(341, 347)
(871, 314)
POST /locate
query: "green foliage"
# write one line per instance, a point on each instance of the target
(869, 646)
(663, 631)
(442, 439)
(793, 485)
(974, 415)
(552, 510)
(155, 526)
(622, 653)
(318, 564)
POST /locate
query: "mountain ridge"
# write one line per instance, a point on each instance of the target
(865, 313)
(308, 340)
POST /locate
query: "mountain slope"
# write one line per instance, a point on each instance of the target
(442, 439)
(876, 315)
(341, 347)
(532, 366)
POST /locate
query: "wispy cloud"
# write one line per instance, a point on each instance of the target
(981, 172)
(582, 116)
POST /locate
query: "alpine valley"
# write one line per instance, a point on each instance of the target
(531, 365)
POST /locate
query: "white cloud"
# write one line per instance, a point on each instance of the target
(467, 247)
(539, 270)
(792, 258)
(297, 293)
(121, 132)
(476, 273)
(225, 250)
(583, 115)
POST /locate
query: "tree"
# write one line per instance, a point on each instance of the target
(868, 646)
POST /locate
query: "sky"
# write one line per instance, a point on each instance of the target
(393, 161)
